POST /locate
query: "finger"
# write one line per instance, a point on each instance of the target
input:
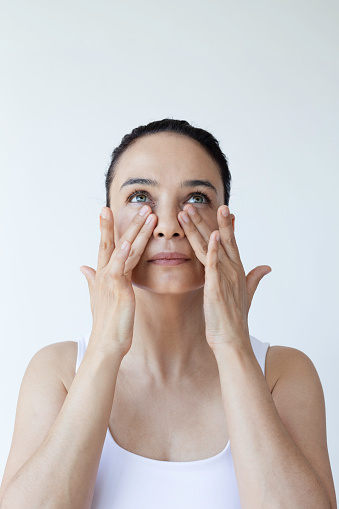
(227, 237)
(140, 242)
(137, 229)
(106, 246)
(118, 269)
(212, 259)
(197, 231)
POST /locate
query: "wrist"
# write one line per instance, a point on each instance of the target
(103, 351)
(238, 347)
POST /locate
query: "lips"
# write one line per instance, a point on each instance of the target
(169, 255)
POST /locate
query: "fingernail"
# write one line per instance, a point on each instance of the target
(185, 217)
(150, 217)
(225, 211)
(104, 213)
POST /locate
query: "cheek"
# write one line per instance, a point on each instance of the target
(212, 222)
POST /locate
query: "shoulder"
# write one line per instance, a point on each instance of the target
(62, 357)
(299, 398)
(294, 382)
(285, 361)
(42, 393)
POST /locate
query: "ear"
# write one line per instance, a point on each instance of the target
(233, 221)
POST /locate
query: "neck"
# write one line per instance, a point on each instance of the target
(169, 340)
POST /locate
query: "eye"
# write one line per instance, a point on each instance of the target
(145, 193)
(136, 193)
(202, 195)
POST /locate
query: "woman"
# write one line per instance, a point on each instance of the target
(204, 415)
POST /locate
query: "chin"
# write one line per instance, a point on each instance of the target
(168, 284)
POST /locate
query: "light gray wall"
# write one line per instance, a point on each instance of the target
(261, 76)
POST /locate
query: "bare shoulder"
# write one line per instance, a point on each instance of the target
(43, 390)
(298, 396)
(63, 356)
(283, 359)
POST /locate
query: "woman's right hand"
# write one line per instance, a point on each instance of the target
(111, 293)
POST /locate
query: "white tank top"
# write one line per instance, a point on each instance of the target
(129, 481)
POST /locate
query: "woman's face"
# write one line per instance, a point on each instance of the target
(169, 159)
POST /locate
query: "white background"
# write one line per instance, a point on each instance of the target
(78, 75)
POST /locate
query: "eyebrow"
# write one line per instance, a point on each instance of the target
(155, 183)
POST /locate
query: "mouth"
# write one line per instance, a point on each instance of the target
(169, 261)
(169, 255)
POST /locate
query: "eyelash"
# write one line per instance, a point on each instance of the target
(140, 191)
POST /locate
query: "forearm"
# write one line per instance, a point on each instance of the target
(271, 470)
(62, 471)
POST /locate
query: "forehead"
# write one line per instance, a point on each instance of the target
(166, 156)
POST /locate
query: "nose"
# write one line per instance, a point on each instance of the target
(168, 225)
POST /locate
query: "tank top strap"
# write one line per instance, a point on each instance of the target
(260, 350)
(82, 345)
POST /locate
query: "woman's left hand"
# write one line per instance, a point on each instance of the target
(228, 292)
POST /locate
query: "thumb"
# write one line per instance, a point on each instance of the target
(89, 274)
(254, 277)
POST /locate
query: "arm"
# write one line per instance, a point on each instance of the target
(271, 435)
(278, 440)
(62, 471)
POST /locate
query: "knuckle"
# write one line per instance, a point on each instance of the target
(232, 242)
(119, 244)
(113, 274)
(104, 244)
(204, 248)
(132, 253)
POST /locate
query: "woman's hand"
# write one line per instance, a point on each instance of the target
(228, 292)
(111, 293)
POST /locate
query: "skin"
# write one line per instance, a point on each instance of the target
(174, 294)
(191, 324)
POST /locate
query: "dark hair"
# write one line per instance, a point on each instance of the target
(206, 139)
